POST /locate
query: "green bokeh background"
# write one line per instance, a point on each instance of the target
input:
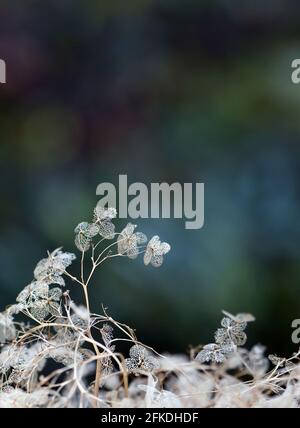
(162, 91)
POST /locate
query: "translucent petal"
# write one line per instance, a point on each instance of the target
(141, 238)
(239, 338)
(25, 293)
(101, 213)
(219, 357)
(81, 228)
(132, 253)
(245, 318)
(157, 260)
(128, 230)
(148, 256)
(131, 364)
(150, 364)
(55, 294)
(89, 230)
(56, 279)
(41, 269)
(138, 352)
(82, 243)
(204, 356)
(154, 242)
(107, 229)
(7, 328)
(164, 248)
(54, 309)
(227, 322)
(40, 310)
(63, 260)
(221, 335)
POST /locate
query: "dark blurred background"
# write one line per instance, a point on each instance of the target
(161, 90)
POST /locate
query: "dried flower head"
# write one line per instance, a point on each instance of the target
(40, 300)
(215, 353)
(140, 360)
(103, 218)
(51, 269)
(155, 251)
(232, 331)
(129, 242)
(49, 304)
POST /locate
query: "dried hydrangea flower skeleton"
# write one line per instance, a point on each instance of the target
(78, 340)
(7, 328)
(140, 360)
(63, 330)
(227, 339)
(155, 251)
(129, 242)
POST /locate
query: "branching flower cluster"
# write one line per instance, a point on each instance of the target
(61, 331)
(88, 370)
(227, 339)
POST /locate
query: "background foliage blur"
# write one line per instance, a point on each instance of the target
(161, 90)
